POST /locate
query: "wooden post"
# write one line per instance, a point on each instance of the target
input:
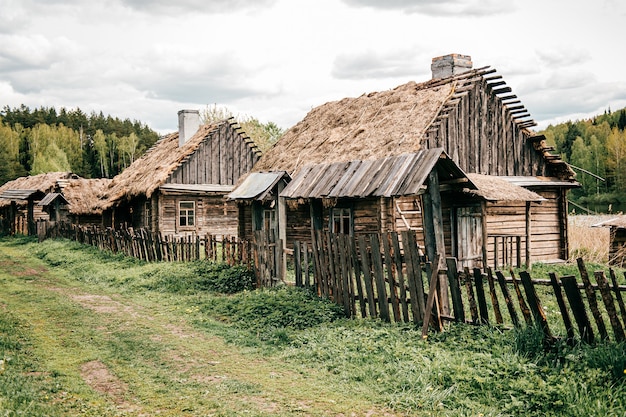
(432, 293)
(591, 298)
(455, 290)
(297, 263)
(494, 297)
(507, 298)
(379, 275)
(603, 285)
(578, 308)
(480, 295)
(520, 299)
(389, 266)
(397, 258)
(367, 274)
(567, 321)
(471, 298)
(618, 295)
(535, 304)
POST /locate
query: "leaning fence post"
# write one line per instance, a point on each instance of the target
(520, 298)
(603, 285)
(480, 295)
(578, 308)
(591, 297)
(535, 304)
(494, 298)
(507, 298)
(569, 327)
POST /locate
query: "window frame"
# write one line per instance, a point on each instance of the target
(186, 213)
(344, 217)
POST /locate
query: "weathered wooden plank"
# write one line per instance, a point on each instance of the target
(432, 294)
(618, 294)
(471, 298)
(494, 297)
(455, 290)
(356, 265)
(535, 304)
(525, 311)
(618, 329)
(367, 275)
(379, 275)
(507, 298)
(578, 308)
(391, 272)
(411, 273)
(558, 293)
(480, 296)
(591, 299)
(397, 258)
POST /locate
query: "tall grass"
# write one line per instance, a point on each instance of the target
(587, 242)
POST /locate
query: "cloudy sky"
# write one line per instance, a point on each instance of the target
(276, 59)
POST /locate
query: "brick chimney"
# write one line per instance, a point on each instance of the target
(188, 125)
(449, 65)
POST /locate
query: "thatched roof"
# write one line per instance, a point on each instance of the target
(494, 188)
(380, 124)
(371, 126)
(152, 169)
(43, 183)
(82, 195)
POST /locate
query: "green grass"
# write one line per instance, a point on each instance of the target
(281, 351)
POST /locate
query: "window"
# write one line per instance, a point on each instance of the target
(269, 219)
(186, 213)
(341, 221)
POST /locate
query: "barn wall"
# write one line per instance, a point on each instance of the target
(617, 250)
(481, 137)
(221, 159)
(548, 228)
(505, 219)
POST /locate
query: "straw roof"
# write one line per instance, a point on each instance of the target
(43, 183)
(152, 170)
(494, 188)
(83, 195)
(371, 126)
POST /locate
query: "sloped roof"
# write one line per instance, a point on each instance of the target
(50, 197)
(82, 194)
(386, 177)
(42, 183)
(493, 188)
(618, 221)
(257, 185)
(146, 174)
(386, 123)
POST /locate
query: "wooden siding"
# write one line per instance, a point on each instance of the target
(214, 215)
(221, 159)
(480, 135)
(546, 228)
(617, 249)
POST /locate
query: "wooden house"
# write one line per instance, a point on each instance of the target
(75, 201)
(519, 207)
(18, 201)
(178, 186)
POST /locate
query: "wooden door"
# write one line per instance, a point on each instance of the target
(469, 236)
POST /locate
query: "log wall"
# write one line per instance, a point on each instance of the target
(221, 159)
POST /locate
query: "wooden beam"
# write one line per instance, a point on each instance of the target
(502, 90)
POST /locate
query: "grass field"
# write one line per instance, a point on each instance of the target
(86, 333)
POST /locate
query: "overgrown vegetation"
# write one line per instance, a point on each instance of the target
(464, 371)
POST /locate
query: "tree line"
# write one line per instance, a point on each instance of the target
(595, 148)
(46, 140)
(36, 141)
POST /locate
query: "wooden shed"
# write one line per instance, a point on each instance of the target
(75, 201)
(18, 201)
(178, 186)
(617, 240)
(478, 122)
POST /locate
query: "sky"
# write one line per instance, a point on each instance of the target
(275, 60)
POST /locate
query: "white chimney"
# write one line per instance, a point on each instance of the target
(449, 65)
(188, 125)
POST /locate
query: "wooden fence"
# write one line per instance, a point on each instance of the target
(152, 247)
(383, 276)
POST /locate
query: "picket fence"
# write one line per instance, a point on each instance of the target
(384, 276)
(153, 247)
